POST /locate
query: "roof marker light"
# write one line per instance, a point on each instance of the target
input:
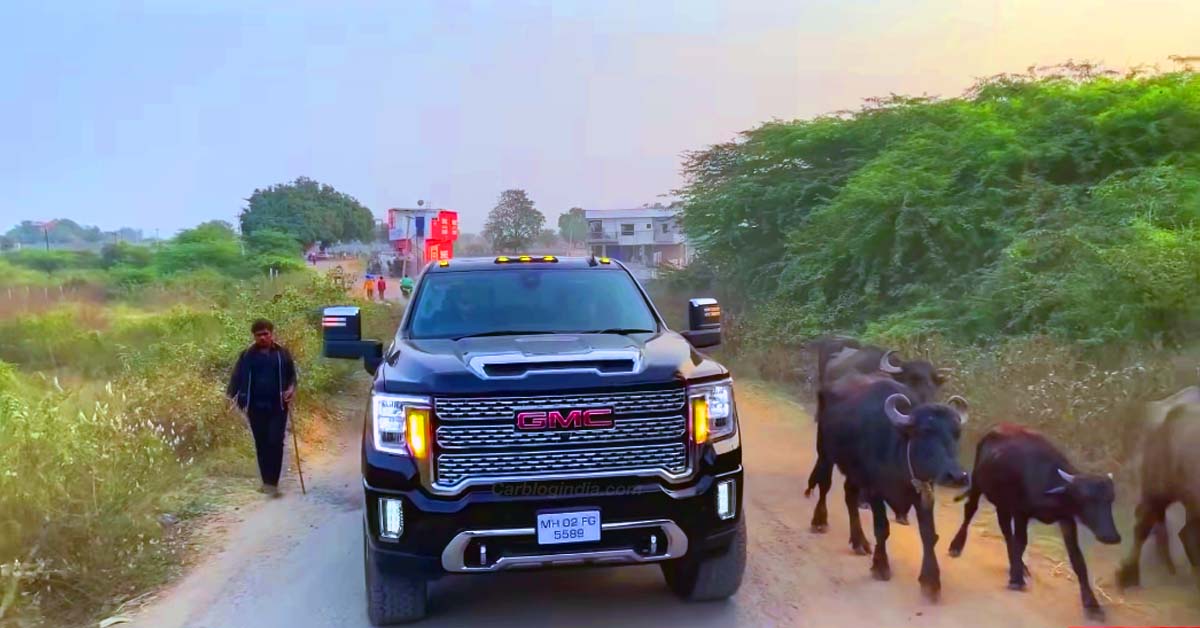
(444, 263)
(549, 258)
(502, 260)
(605, 260)
(525, 258)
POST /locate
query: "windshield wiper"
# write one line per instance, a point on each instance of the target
(617, 330)
(504, 332)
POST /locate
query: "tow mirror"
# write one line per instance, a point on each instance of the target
(704, 323)
(342, 335)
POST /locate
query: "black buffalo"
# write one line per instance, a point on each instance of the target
(1026, 477)
(1170, 473)
(840, 359)
(893, 451)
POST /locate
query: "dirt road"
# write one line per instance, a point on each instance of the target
(297, 562)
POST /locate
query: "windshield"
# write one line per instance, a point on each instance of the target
(525, 300)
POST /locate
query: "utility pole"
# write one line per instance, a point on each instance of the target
(46, 232)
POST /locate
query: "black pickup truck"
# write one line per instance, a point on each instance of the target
(536, 412)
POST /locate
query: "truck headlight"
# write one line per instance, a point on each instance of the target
(712, 411)
(401, 424)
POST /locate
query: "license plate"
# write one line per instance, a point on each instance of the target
(568, 527)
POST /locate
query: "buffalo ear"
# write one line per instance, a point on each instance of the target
(942, 375)
(1058, 490)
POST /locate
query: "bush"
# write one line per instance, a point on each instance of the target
(1064, 205)
(109, 416)
(54, 261)
(126, 254)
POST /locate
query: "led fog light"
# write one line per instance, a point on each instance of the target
(726, 499)
(391, 518)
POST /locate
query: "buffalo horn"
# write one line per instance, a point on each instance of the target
(1066, 476)
(885, 364)
(897, 417)
(962, 406)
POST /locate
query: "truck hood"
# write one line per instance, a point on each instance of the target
(543, 363)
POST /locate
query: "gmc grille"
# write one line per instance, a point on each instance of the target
(477, 441)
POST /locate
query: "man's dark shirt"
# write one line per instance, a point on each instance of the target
(264, 379)
(260, 377)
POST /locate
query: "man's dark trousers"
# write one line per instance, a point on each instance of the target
(269, 426)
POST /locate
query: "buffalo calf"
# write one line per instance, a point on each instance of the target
(1026, 477)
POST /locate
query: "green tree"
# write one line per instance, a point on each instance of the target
(309, 212)
(514, 223)
(548, 238)
(272, 242)
(210, 245)
(1063, 203)
(572, 225)
(126, 254)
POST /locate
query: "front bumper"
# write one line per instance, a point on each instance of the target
(642, 522)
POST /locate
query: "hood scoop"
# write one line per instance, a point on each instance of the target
(548, 355)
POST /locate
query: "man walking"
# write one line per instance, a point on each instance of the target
(262, 385)
(381, 287)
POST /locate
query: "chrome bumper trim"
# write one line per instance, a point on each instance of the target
(453, 557)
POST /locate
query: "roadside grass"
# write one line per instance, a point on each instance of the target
(115, 433)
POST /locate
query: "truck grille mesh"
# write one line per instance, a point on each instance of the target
(454, 468)
(477, 440)
(631, 403)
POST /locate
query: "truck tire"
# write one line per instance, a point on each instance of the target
(391, 598)
(711, 577)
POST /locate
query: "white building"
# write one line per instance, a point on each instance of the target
(649, 237)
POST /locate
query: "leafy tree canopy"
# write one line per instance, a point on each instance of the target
(66, 233)
(572, 225)
(210, 245)
(514, 223)
(309, 212)
(1063, 202)
(126, 254)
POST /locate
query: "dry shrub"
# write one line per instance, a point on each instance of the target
(112, 417)
(1088, 403)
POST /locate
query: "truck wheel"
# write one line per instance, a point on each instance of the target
(391, 598)
(711, 577)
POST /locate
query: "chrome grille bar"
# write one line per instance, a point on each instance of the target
(476, 440)
(629, 403)
(501, 435)
(455, 468)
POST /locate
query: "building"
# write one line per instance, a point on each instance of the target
(650, 236)
(422, 235)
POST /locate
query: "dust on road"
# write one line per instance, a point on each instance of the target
(297, 562)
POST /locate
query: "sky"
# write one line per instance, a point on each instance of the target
(161, 115)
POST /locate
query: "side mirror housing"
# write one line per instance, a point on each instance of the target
(341, 328)
(704, 323)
